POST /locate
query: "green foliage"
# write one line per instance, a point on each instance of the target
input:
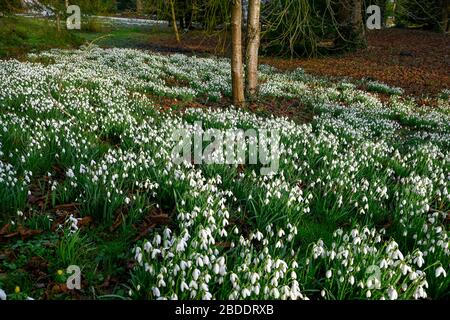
(20, 35)
(299, 27)
(374, 86)
(93, 25)
(9, 6)
(416, 13)
(72, 249)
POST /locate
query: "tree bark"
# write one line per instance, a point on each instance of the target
(174, 20)
(139, 6)
(253, 40)
(445, 8)
(351, 24)
(58, 22)
(382, 5)
(237, 77)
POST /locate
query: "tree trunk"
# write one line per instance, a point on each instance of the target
(139, 6)
(445, 8)
(58, 22)
(237, 80)
(382, 5)
(351, 24)
(253, 39)
(189, 13)
(174, 20)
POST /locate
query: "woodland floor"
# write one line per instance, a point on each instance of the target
(32, 257)
(417, 61)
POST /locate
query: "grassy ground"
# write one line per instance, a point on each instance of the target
(156, 38)
(19, 36)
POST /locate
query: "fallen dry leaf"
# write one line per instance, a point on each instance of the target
(5, 229)
(27, 233)
(85, 221)
(24, 233)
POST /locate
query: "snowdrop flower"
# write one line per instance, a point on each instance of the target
(207, 296)
(413, 276)
(275, 293)
(157, 240)
(155, 252)
(392, 293)
(167, 232)
(195, 274)
(181, 245)
(440, 271)
(328, 274)
(193, 284)
(259, 236)
(199, 262)
(156, 292)
(2, 295)
(332, 255)
(70, 173)
(245, 293)
(183, 265)
(216, 268)
(419, 260)
(147, 246)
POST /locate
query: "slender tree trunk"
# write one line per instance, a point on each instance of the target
(58, 21)
(66, 2)
(139, 6)
(237, 77)
(174, 20)
(188, 14)
(351, 24)
(445, 8)
(382, 5)
(253, 39)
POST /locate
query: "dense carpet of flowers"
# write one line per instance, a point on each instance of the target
(358, 208)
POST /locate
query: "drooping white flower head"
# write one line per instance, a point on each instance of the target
(2, 295)
(440, 271)
(392, 293)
